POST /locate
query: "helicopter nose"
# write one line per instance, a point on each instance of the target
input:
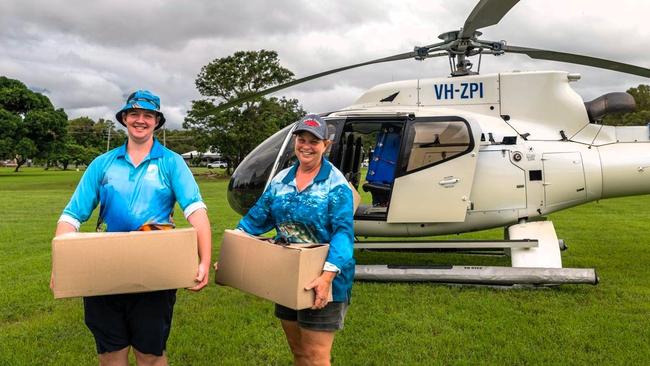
(249, 179)
(244, 189)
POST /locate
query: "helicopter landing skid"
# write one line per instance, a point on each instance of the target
(534, 249)
(477, 275)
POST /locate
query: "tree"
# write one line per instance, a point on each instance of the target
(180, 141)
(236, 131)
(640, 117)
(47, 129)
(77, 155)
(103, 128)
(17, 98)
(87, 139)
(98, 135)
(30, 127)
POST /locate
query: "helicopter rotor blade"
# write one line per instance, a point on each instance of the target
(579, 59)
(247, 98)
(485, 14)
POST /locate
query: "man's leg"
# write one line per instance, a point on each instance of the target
(144, 359)
(150, 321)
(104, 317)
(116, 358)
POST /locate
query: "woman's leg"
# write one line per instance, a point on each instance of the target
(309, 347)
(318, 346)
(292, 332)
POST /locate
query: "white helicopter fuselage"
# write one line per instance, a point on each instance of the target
(533, 152)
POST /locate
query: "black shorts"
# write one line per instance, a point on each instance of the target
(141, 320)
(328, 319)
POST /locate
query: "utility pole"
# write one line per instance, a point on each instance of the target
(164, 136)
(108, 140)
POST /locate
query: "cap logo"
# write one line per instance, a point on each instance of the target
(312, 123)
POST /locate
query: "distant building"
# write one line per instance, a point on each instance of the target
(8, 163)
(204, 157)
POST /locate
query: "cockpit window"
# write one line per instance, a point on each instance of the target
(248, 181)
(434, 142)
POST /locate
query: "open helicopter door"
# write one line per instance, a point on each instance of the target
(436, 170)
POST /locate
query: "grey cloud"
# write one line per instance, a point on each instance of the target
(169, 24)
(90, 55)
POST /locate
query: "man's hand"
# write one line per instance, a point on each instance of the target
(201, 277)
(321, 287)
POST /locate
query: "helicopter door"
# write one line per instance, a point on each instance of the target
(436, 171)
(564, 179)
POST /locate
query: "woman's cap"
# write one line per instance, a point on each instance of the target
(313, 124)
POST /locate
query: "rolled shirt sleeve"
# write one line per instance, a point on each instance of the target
(186, 190)
(85, 197)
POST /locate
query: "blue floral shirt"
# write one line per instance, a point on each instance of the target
(320, 213)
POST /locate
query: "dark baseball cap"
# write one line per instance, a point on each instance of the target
(313, 124)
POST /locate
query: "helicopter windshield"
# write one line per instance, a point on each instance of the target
(249, 179)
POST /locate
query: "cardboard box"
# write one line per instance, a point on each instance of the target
(356, 198)
(274, 272)
(89, 264)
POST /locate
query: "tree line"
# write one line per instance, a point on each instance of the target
(32, 128)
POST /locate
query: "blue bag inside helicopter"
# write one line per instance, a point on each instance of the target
(381, 167)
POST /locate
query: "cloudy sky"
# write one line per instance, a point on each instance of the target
(86, 56)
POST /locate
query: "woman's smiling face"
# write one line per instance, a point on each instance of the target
(309, 149)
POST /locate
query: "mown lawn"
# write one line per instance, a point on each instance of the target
(388, 324)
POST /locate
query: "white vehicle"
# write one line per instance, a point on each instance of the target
(471, 152)
(218, 164)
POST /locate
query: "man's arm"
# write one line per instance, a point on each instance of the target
(63, 227)
(199, 220)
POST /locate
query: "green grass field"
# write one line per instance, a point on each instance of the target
(388, 324)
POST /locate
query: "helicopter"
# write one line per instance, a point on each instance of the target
(471, 152)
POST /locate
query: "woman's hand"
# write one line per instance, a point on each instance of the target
(321, 286)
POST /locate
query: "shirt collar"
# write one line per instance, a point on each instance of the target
(156, 150)
(323, 172)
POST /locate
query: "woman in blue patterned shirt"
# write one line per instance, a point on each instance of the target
(311, 202)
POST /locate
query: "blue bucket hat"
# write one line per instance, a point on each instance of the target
(313, 124)
(142, 99)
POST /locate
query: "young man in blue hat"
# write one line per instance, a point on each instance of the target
(137, 186)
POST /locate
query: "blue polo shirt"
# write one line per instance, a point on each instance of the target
(130, 196)
(320, 213)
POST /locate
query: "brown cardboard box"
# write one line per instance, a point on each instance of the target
(274, 272)
(88, 264)
(356, 198)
